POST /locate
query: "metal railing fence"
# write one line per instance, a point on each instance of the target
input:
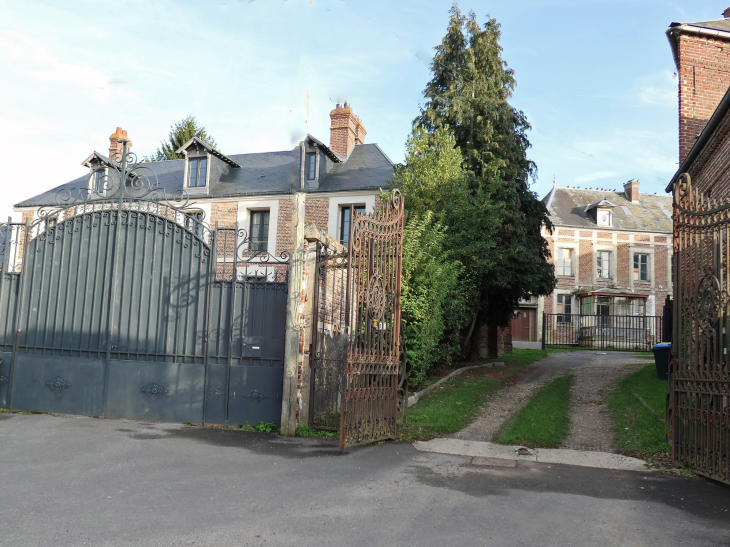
(602, 332)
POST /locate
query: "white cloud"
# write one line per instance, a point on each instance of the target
(660, 90)
(36, 62)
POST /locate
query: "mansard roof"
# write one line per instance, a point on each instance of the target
(267, 173)
(570, 206)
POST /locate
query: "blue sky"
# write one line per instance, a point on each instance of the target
(595, 79)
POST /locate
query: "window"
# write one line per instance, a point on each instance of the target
(99, 180)
(197, 172)
(565, 262)
(311, 166)
(565, 308)
(345, 222)
(259, 241)
(641, 267)
(603, 264)
(603, 309)
(604, 217)
(193, 222)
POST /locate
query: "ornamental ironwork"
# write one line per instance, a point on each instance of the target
(154, 391)
(58, 384)
(255, 396)
(355, 348)
(698, 413)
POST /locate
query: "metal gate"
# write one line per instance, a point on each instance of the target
(356, 329)
(121, 304)
(604, 332)
(698, 405)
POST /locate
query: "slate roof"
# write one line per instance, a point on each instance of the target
(569, 207)
(367, 167)
(719, 24)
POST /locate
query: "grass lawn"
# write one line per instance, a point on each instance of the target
(640, 427)
(454, 404)
(523, 356)
(544, 421)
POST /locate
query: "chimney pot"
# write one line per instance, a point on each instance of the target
(726, 13)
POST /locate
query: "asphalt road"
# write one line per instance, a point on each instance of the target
(85, 481)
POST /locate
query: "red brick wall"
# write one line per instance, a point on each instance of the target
(704, 77)
(225, 213)
(317, 210)
(585, 263)
(710, 172)
(624, 268)
(284, 241)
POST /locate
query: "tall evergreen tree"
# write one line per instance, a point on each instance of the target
(469, 94)
(180, 133)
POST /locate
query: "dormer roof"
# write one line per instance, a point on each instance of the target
(602, 204)
(334, 156)
(209, 149)
(100, 158)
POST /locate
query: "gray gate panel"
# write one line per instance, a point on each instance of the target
(9, 285)
(215, 396)
(161, 291)
(68, 274)
(67, 385)
(5, 359)
(254, 394)
(155, 391)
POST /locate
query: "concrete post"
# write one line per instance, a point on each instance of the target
(294, 312)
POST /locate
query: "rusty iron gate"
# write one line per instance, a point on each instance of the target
(355, 352)
(121, 302)
(698, 404)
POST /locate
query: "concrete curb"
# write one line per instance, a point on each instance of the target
(480, 449)
(413, 399)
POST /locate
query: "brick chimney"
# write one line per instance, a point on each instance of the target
(346, 129)
(631, 189)
(702, 56)
(115, 147)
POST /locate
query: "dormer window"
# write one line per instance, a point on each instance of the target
(601, 212)
(98, 180)
(311, 166)
(604, 217)
(197, 172)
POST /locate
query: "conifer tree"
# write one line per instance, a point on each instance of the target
(468, 94)
(180, 133)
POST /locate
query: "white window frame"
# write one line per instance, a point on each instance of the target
(572, 261)
(244, 219)
(337, 202)
(634, 250)
(612, 267)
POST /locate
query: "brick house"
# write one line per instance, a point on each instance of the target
(701, 53)
(256, 191)
(612, 255)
